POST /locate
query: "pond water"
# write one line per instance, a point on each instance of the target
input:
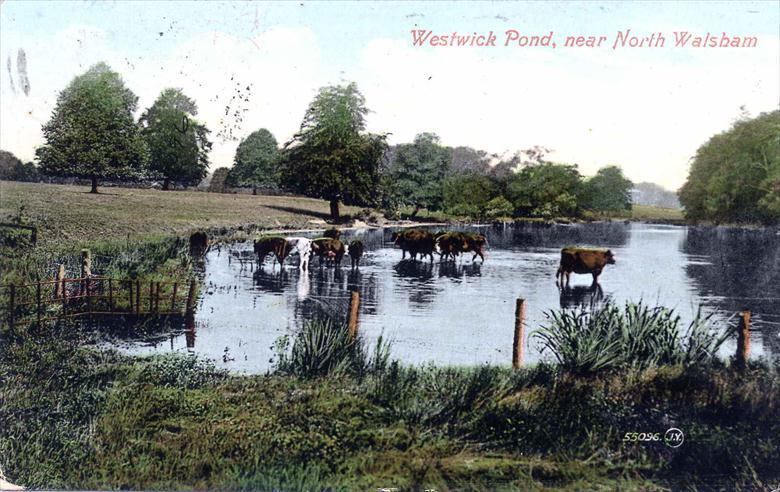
(463, 313)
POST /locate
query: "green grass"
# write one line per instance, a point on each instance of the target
(75, 417)
(65, 213)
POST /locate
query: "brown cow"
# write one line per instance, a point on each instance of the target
(199, 243)
(476, 243)
(355, 251)
(328, 249)
(277, 245)
(416, 242)
(450, 244)
(583, 260)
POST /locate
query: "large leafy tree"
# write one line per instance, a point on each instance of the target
(469, 193)
(332, 156)
(257, 162)
(178, 144)
(92, 133)
(418, 170)
(545, 190)
(609, 190)
(735, 175)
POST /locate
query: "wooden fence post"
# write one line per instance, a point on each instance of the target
(354, 311)
(86, 265)
(59, 285)
(517, 346)
(743, 340)
(11, 304)
(88, 292)
(151, 299)
(173, 297)
(110, 296)
(130, 288)
(157, 298)
(137, 297)
(191, 298)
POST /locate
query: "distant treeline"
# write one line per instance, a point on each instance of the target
(93, 135)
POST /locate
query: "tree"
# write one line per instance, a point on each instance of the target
(92, 133)
(545, 190)
(609, 190)
(217, 184)
(257, 162)
(332, 157)
(468, 193)
(417, 172)
(735, 175)
(178, 144)
(12, 168)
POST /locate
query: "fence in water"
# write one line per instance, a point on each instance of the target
(45, 301)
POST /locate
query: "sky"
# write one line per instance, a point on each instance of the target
(252, 65)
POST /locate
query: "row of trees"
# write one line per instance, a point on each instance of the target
(92, 134)
(735, 175)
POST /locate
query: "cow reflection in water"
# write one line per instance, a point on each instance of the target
(453, 270)
(581, 296)
(414, 269)
(270, 281)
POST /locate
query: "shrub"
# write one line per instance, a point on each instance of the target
(324, 347)
(608, 338)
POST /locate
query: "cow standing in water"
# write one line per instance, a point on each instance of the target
(355, 251)
(583, 261)
(303, 246)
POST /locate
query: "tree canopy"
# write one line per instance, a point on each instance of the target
(332, 157)
(12, 168)
(609, 190)
(545, 190)
(178, 144)
(257, 161)
(92, 132)
(418, 170)
(735, 175)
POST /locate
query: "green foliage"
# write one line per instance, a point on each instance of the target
(469, 193)
(324, 347)
(177, 143)
(257, 161)
(639, 336)
(417, 171)
(92, 132)
(12, 169)
(735, 175)
(218, 180)
(609, 190)
(545, 190)
(331, 157)
(498, 207)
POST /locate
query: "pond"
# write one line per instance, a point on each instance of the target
(463, 313)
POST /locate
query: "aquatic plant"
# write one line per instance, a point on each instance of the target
(324, 346)
(587, 341)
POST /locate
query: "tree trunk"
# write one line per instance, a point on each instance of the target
(254, 190)
(166, 184)
(334, 210)
(94, 185)
(415, 211)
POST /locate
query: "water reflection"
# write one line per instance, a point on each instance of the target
(582, 297)
(463, 312)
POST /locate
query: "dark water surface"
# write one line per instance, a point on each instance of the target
(463, 313)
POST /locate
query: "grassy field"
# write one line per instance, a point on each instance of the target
(70, 213)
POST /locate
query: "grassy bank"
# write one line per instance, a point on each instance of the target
(74, 417)
(70, 213)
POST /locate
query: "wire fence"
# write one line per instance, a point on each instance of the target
(45, 301)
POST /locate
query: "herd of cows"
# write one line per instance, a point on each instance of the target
(418, 242)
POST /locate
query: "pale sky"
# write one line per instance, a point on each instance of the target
(645, 109)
